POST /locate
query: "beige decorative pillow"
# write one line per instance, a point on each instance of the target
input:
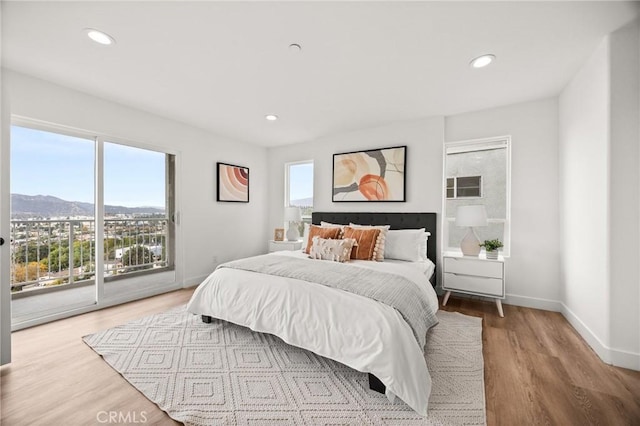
(366, 247)
(319, 231)
(382, 238)
(331, 249)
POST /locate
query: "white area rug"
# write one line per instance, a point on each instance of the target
(221, 373)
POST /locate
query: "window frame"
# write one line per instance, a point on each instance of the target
(455, 187)
(287, 177)
(473, 145)
(158, 276)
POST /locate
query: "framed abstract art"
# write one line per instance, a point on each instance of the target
(373, 175)
(233, 183)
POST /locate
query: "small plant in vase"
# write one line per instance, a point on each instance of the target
(491, 247)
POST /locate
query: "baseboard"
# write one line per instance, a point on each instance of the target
(533, 302)
(194, 281)
(616, 357)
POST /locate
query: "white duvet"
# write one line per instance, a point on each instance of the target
(359, 332)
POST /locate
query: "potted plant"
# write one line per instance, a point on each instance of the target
(491, 247)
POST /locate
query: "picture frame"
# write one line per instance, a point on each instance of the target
(278, 234)
(232, 183)
(374, 175)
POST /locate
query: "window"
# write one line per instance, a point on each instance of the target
(85, 213)
(299, 188)
(478, 172)
(464, 187)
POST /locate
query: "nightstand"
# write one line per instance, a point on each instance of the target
(473, 275)
(284, 245)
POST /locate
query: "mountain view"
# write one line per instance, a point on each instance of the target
(302, 202)
(47, 206)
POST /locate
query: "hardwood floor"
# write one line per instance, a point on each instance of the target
(538, 371)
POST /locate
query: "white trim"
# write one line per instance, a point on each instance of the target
(498, 142)
(617, 357)
(286, 177)
(533, 302)
(194, 281)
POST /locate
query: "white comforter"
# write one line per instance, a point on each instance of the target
(356, 331)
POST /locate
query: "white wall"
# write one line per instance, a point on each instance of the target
(424, 167)
(600, 192)
(625, 195)
(532, 270)
(207, 228)
(584, 183)
(534, 130)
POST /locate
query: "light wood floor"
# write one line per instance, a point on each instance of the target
(538, 371)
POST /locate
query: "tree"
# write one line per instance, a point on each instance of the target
(30, 272)
(137, 255)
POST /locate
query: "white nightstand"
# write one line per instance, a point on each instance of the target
(284, 245)
(473, 275)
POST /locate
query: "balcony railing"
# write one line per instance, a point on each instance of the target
(51, 253)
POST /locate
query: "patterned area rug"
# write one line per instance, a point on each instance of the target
(221, 373)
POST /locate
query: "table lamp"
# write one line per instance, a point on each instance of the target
(292, 214)
(474, 215)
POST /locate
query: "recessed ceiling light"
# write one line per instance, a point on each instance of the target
(99, 36)
(271, 117)
(482, 61)
(295, 48)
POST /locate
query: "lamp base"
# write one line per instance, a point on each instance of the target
(470, 244)
(292, 233)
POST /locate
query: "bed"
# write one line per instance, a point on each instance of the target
(361, 332)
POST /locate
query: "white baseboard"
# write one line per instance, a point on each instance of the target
(617, 357)
(194, 281)
(533, 302)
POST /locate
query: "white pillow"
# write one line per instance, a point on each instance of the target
(406, 244)
(331, 249)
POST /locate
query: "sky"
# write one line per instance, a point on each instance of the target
(301, 181)
(45, 163)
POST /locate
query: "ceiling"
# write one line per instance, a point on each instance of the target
(222, 66)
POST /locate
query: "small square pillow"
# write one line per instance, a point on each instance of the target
(366, 247)
(319, 231)
(335, 250)
(381, 238)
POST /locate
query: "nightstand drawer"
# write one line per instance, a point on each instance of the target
(482, 268)
(473, 284)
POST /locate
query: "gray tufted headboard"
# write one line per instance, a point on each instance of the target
(396, 220)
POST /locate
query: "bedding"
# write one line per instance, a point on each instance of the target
(407, 244)
(358, 331)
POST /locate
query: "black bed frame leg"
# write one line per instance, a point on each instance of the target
(375, 384)
(206, 319)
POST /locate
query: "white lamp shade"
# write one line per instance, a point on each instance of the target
(474, 215)
(292, 214)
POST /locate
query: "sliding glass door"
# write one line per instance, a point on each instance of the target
(91, 221)
(52, 222)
